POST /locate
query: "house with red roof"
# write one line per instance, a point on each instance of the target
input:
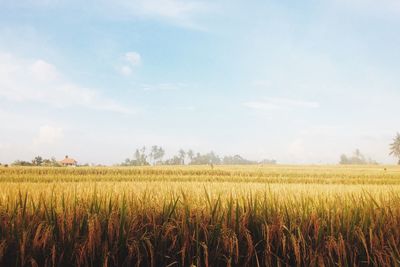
(67, 161)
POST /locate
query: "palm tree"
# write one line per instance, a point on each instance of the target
(153, 154)
(395, 147)
(190, 154)
(182, 155)
(159, 154)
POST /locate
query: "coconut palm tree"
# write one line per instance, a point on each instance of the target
(182, 155)
(190, 154)
(395, 147)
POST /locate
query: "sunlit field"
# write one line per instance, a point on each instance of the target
(200, 216)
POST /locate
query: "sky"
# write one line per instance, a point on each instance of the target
(297, 81)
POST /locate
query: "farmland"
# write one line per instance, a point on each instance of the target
(183, 216)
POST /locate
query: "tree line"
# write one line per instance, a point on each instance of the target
(360, 159)
(38, 161)
(155, 156)
(357, 158)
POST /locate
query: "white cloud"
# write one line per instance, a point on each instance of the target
(133, 58)
(48, 135)
(126, 70)
(130, 60)
(280, 103)
(43, 71)
(38, 81)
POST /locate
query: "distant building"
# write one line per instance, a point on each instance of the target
(68, 162)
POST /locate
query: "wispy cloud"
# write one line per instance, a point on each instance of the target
(38, 81)
(48, 135)
(130, 60)
(176, 9)
(280, 103)
(372, 7)
(133, 58)
(182, 13)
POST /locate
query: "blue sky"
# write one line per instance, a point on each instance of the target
(297, 81)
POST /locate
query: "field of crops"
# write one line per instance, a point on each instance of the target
(198, 216)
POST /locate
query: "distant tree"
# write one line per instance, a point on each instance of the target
(21, 163)
(54, 162)
(190, 154)
(153, 152)
(237, 160)
(158, 155)
(138, 155)
(127, 162)
(141, 157)
(356, 158)
(209, 158)
(395, 147)
(176, 160)
(344, 160)
(47, 163)
(213, 158)
(37, 161)
(182, 155)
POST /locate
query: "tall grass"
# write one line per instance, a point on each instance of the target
(162, 221)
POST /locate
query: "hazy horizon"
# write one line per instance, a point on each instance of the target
(301, 83)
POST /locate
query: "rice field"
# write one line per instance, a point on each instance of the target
(198, 216)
